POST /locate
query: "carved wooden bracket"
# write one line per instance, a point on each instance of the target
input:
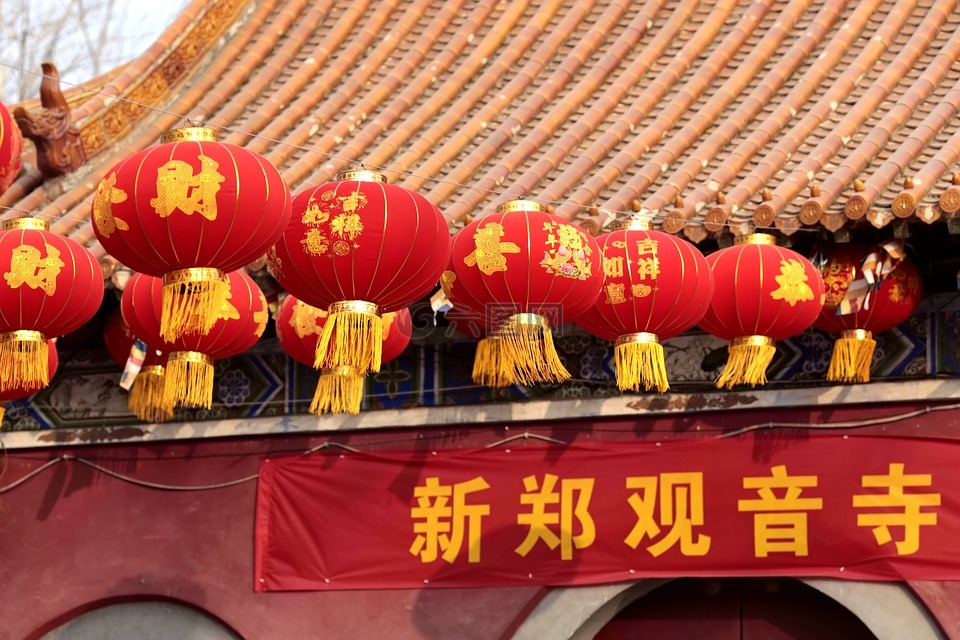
(59, 151)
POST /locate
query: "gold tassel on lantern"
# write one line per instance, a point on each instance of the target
(352, 337)
(640, 360)
(23, 360)
(528, 351)
(192, 301)
(146, 399)
(489, 366)
(748, 361)
(188, 380)
(340, 390)
(852, 357)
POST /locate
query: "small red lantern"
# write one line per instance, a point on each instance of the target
(340, 390)
(657, 286)
(51, 286)
(359, 247)
(22, 391)
(189, 210)
(146, 393)
(188, 379)
(11, 149)
(880, 308)
(539, 270)
(765, 293)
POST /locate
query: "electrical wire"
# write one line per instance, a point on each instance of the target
(853, 424)
(334, 156)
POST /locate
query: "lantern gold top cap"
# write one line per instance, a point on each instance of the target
(632, 224)
(26, 223)
(190, 134)
(756, 238)
(362, 175)
(519, 205)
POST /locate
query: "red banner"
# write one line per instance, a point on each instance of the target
(865, 508)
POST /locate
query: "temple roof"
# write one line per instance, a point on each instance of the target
(708, 116)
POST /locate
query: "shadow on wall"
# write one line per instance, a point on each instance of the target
(151, 620)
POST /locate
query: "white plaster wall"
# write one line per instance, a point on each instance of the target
(142, 621)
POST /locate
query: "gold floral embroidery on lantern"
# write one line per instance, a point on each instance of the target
(106, 196)
(27, 267)
(614, 293)
(488, 254)
(388, 319)
(836, 280)
(260, 317)
(793, 283)
(304, 319)
(274, 264)
(570, 258)
(179, 188)
(228, 311)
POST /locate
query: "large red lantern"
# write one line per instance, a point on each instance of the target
(340, 389)
(24, 390)
(657, 286)
(490, 368)
(188, 379)
(534, 270)
(11, 149)
(765, 293)
(189, 210)
(51, 286)
(146, 392)
(359, 247)
(880, 307)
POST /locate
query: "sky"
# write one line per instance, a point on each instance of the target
(82, 37)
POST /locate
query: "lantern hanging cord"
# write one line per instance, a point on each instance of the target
(334, 156)
(853, 424)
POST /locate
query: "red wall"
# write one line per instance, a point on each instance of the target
(74, 537)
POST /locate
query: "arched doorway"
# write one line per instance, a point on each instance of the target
(142, 621)
(735, 609)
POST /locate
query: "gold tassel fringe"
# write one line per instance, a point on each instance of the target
(23, 360)
(352, 337)
(640, 360)
(489, 366)
(147, 394)
(192, 301)
(188, 380)
(748, 361)
(339, 390)
(528, 352)
(852, 357)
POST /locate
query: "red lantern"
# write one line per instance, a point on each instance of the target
(657, 286)
(16, 393)
(489, 366)
(540, 268)
(765, 293)
(189, 372)
(340, 390)
(189, 210)
(146, 392)
(359, 247)
(11, 149)
(880, 309)
(51, 286)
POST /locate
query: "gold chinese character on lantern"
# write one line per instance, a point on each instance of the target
(179, 188)
(909, 512)
(570, 259)
(793, 283)
(488, 254)
(681, 509)
(444, 523)
(614, 293)
(29, 268)
(569, 505)
(613, 266)
(780, 521)
(106, 196)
